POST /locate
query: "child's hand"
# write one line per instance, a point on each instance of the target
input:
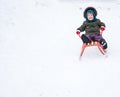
(78, 32)
(102, 28)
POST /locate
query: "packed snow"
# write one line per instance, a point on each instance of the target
(39, 50)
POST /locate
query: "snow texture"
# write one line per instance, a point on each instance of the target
(39, 50)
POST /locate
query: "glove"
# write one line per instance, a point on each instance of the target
(78, 32)
(102, 28)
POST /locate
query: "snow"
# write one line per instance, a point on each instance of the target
(39, 50)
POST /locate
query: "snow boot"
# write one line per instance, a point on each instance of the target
(103, 43)
(85, 39)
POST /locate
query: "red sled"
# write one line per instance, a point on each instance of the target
(92, 43)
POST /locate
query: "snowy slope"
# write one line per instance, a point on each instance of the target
(39, 50)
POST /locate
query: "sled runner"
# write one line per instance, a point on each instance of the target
(92, 43)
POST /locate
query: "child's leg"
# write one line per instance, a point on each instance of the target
(85, 39)
(100, 39)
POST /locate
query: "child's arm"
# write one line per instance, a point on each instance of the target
(100, 23)
(82, 27)
(102, 26)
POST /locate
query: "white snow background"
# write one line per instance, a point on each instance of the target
(39, 50)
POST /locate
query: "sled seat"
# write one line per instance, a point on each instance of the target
(92, 43)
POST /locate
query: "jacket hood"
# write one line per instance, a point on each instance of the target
(90, 9)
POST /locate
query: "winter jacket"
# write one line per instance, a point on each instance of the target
(91, 27)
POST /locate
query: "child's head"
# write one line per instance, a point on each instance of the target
(90, 14)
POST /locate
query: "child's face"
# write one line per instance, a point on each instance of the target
(90, 16)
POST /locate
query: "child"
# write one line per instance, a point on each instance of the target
(92, 27)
